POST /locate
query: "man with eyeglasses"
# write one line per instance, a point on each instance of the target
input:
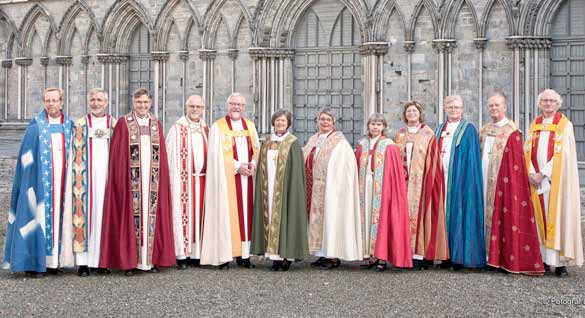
(551, 157)
(187, 152)
(459, 147)
(229, 195)
(34, 236)
(510, 236)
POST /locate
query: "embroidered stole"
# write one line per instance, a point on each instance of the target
(136, 176)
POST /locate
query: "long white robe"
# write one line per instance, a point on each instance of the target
(145, 157)
(58, 155)
(447, 144)
(186, 244)
(368, 200)
(216, 247)
(485, 157)
(98, 171)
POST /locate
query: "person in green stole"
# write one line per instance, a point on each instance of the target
(279, 227)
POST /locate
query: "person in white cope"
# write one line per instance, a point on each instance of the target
(35, 241)
(551, 157)
(137, 229)
(229, 188)
(459, 146)
(510, 231)
(333, 199)
(86, 183)
(187, 150)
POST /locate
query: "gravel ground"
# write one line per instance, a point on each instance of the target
(301, 292)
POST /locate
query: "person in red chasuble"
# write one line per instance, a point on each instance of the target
(137, 231)
(187, 152)
(511, 239)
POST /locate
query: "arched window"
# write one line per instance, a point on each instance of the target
(140, 74)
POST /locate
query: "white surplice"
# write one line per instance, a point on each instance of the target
(58, 156)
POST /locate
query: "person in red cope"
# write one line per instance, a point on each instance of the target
(426, 187)
(383, 200)
(510, 231)
(551, 157)
(187, 151)
(137, 231)
(229, 188)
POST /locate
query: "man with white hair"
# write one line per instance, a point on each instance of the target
(229, 195)
(34, 234)
(551, 157)
(459, 148)
(510, 236)
(88, 171)
(187, 153)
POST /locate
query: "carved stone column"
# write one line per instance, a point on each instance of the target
(23, 64)
(64, 63)
(208, 58)
(373, 65)
(184, 56)
(444, 48)
(480, 44)
(6, 66)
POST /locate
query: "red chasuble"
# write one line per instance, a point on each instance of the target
(514, 242)
(119, 239)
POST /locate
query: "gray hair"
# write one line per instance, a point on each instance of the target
(192, 97)
(376, 118)
(96, 91)
(500, 94)
(282, 112)
(552, 91)
(235, 94)
(453, 98)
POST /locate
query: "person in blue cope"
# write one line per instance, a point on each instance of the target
(35, 242)
(460, 154)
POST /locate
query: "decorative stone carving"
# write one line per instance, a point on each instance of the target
(265, 52)
(6, 63)
(480, 43)
(45, 60)
(233, 54)
(409, 46)
(206, 55)
(184, 55)
(64, 60)
(23, 61)
(444, 45)
(160, 56)
(374, 48)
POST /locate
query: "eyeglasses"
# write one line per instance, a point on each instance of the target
(548, 100)
(236, 104)
(54, 101)
(453, 107)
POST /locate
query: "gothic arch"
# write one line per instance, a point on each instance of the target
(487, 13)
(214, 20)
(547, 9)
(67, 27)
(289, 14)
(381, 17)
(164, 21)
(192, 24)
(120, 21)
(27, 28)
(450, 22)
(13, 35)
(430, 6)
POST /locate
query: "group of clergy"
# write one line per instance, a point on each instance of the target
(101, 193)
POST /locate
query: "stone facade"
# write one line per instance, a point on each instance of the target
(360, 56)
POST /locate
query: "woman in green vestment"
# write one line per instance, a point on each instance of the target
(279, 228)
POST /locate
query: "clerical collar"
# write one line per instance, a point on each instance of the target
(502, 122)
(275, 137)
(54, 120)
(414, 129)
(192, 123)
(96, 117)
(453, 123)
(325, 135)
(139, 118)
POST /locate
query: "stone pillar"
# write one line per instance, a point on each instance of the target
(444, 49)
(233, 55)
(45, 64)
(409, 48)
(373, 57)
(184, 56)
(23, 64)
(111, 79)
(6, 66)
(480, 44)
(64, 63)
(86, 89)
(516, 43)
(160, 78)
(270, 79)
(208, 58)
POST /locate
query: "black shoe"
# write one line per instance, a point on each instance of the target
(276, 265)
(225, 266)
(381, 267)
(193, 262)
(546, 268)
(246, 263)
(154, 270)
(181, 264)
(321, 261)
(561, 271)
(489, 268)
(457, 267)
(83, 271)
(54, 271)
(331, 264)
(102, 270)
(370, 264)
(33, 274)
(130, 272)
(285, 265)
(446, 264)
(419, 264)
